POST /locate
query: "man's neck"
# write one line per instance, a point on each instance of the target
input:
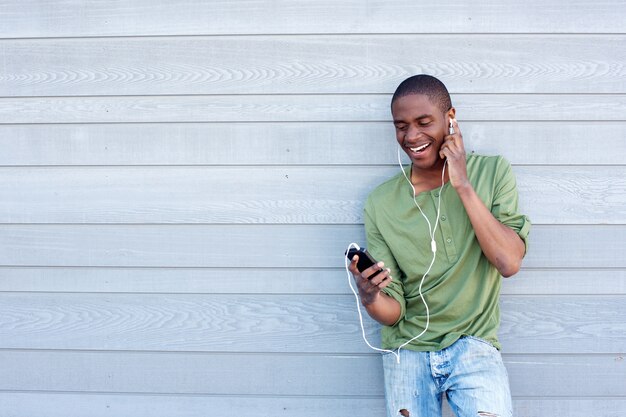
(426, 180)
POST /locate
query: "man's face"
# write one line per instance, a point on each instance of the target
(420, 129)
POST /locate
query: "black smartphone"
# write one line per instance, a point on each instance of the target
(365, 260)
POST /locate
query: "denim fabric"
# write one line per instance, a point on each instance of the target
(470, 372)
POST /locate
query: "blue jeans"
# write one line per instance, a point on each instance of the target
(470, 372)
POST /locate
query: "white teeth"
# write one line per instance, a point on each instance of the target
(419, 148)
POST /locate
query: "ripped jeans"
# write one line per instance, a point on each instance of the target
(470, 372)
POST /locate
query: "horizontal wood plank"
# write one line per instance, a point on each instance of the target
(312, 64)
(301, 108)
(579, 407)
(27, 404)
(280, 323)
(264, 246)
(34, 18)
(285, 195)
(125, 405)
(257, 374)
(275, 281)
(314, 143)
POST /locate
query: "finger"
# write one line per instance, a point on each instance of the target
(452, 144)
(449, 140)
(373, 270)
(385, 282)
(352, 267)
(377, 276)
(451, 136)
(381, 277)
(458, 136)
(452, 153)
(444, 151)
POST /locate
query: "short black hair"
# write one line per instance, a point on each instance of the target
(427, 85)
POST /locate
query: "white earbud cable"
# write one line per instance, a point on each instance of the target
(433, 246)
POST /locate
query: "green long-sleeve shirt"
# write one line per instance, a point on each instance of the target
(463, 288)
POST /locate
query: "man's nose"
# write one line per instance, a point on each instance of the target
(413, 132)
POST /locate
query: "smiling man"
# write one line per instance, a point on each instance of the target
(447, 229)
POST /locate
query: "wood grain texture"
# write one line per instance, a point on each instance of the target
(36, 18)
(281, 323)
(27, 404)
(313, 143)
(305, 281)
(300, 108)
(581, 407)
(336, 64)
(125, 405)
(271, 374)
(264, 246)
(280, 195)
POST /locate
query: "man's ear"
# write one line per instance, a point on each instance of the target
(451, 114)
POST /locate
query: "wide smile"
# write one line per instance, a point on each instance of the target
(420, 149)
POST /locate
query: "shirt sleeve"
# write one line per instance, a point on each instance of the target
(378, 248)
(505, 202)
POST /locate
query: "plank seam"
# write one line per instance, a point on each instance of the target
(314, 34)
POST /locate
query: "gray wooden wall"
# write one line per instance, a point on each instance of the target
(179, 180)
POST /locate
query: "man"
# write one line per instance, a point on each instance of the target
(467, 205)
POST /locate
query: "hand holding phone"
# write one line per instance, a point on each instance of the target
(370, 276)
(365, 260)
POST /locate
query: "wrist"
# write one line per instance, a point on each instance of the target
(464, 189)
